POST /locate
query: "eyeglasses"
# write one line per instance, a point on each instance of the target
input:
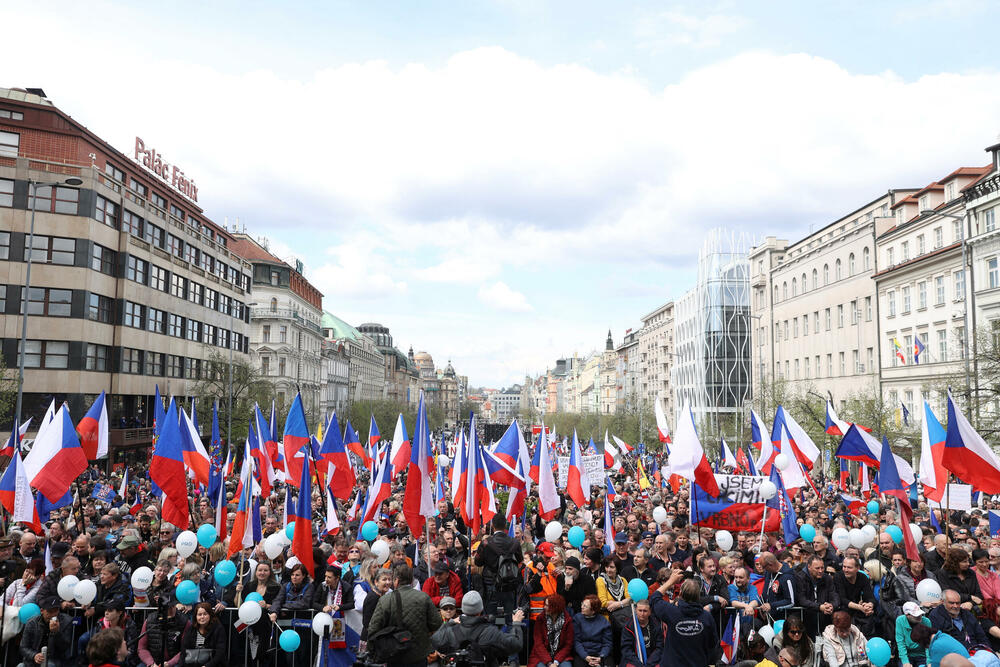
(794, 632)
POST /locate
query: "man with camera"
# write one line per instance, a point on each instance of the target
(482, 638)
(48, 637)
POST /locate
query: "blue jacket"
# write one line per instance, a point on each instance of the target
(779, 589)
(746, 597)
(971, 634)
(941, 645)
(692, 639)
(653, 639)
(591, 636)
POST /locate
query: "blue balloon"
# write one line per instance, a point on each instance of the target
(778, 625)
(207, 534)
(873, 507)
(290, 531)
(187, 592)
(289, 640)
(879, 652)
(225, 572)
(28, 612)
(896, 533)
(576, 536)
(638, 590)
(254, 597)
(807, 532)
(369, 531)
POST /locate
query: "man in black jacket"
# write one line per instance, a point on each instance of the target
(574, 586)
(501, 597)
(855, 595)
(476, 632)
(814, 592)
(962, 624)
(714, 588)
(51, 631)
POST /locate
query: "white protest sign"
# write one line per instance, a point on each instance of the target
(592, 463)
(956, 497)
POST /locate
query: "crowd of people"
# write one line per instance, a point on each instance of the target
(655, 593)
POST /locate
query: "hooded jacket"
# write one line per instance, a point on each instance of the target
(692, 639)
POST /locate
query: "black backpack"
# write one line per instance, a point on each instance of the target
(392, 641)
(508, 572)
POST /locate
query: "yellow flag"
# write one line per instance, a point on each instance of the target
(641, 474)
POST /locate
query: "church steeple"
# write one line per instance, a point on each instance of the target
(610, 344)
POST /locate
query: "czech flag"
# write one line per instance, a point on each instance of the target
(374, 437)
(15, 493)
(858, 445)
(731, 510)
(783, 505)
(577, 482)
(853, 503)
(477, 502)
(221, 506)
(379, 488)
(340, 472)
(93, 430)
(933, 474)
(866, 487)
(167, 470)
(687, 458)
(295, 440)
(353, 444)
(967, 455)
(193, 451)
(8, 449)
(400, 452)
(302, 539)
(845, 474)
(662, 428)
(612, 455)
(803, 447)
(263, 470)
(611, 494)
(833, 424)
(640, 643)
(246, 524)
(744, 461)
(536, 459)
(609, 525)
(158, 413)
(216, 476)
(623, 446)
(548, 496)
(892, 485)
(418, 504)
(56, 459)
(508, 448)
(731, 639)
(728, 460)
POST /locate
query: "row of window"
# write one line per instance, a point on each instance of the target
(147, 318)
(54, 355)
(905, 293)
(921, 244)
(932, 351)
(838, 274)
(812, 368)
(782, 330)
(162, 280)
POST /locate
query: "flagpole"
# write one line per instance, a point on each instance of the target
(947, 502)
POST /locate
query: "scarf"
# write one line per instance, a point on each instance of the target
(554, 627)
(617, 589)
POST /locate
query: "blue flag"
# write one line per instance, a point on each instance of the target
(994, 523)
(783, 504)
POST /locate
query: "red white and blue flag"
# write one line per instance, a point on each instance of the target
(662, 428)
(733, 510)
(93, 430)
(379, 488)
(933, 474)
(15, 493)
(475, 493)
(193, 451)
(12, 441)
(548, 496)
(246, 524)
(302, 539)
(845, 474)
(891, 485)
(56, 459)
(728, 460)
(731, 639)
(400, 452)
(967, 455)
(640, 643)
(295, 441)
(418, 504)
(340, 472)
(853, 503)
(168, 472)
(221, 506)
(834, 426)
(353, 444)
(687, 457)
(577, 482)
(264, 469)
(803, 447)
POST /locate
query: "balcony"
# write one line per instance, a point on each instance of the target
(285, 314)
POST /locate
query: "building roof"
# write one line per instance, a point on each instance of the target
(341, 329)
(252, 251)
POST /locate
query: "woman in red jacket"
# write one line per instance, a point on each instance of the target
(552, 644)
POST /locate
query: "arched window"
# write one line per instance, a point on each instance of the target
(815, 279)
(850, 265)
(274, 304)
(795, 286)
(784, 290)
(838, 271)
(805, 285)
(775, 294)
(826, 274)
(866, 259)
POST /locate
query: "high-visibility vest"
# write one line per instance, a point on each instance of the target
(536, 601)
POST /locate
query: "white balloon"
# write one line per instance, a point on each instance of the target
(659, 514)
(928, 591)
(85, 592)
(249, 612)
(443, 461)
(141, 578)
(186, 543)
(322, 623)
(66, 587)
(858, 538)
(781, 462)
(553, 531)
(282, 539)
(380, 549)
(767, 634)
(841, 539)
(291, 562)
(918, 534)
(273, 545)
(768, 489)
(724, 539)
(870, 532)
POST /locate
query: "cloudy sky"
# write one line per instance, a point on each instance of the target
(502, 181)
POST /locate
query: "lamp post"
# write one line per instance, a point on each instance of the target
(33, 192)
(229, 410)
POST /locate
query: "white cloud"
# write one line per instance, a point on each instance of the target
(357, 271)
(501, 297)
(675, 27)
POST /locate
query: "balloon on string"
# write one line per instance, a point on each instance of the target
(207, 534)
(778, 626)
(380, 549)
(28, 611)
(873, 507)
(249, 611)
(186, 543)
(443, 461)
(290, 531)
(553, 531)
(85, 592)
(225, 572)
(322, 623)
(896, 533)
(291, 562)
(928, 592)
(858, 538)
(638, 590)
(281, 538)
(767, 489)
(918, 534)
(781, 462)
(576, 536)
(879, 652)
(142, 577)
(369, 531)
(273, 545)
(254, 597)
(659, 514)
(767, 634)
(187, 592)
(841, 538)
(289, 640)
(870, 533)
(66, 586)
(724, 539)
(807, 532)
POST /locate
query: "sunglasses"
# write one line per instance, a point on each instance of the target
(794, 632)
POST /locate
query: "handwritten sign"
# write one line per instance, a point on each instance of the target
(956, 497)
(592, 463)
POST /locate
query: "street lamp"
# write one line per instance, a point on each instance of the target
(965, 300)
(33, 187)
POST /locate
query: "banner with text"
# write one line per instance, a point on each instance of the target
(592, 463)
(739, 505)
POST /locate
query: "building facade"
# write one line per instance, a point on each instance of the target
(132, 286)
(366, 368)
(814, 305)
(629, 372)
(402, 379)
(287, 340)
(336, 374)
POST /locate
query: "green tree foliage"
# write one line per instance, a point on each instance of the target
(8, 390)
(249, 387)
(386, 412)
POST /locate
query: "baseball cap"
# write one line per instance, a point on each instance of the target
(649, 534)
(912, 609)
(621, 538)
(447, 602)
(441, 567)
(545, 548)
(127, 541)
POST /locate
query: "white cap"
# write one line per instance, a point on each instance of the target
(912, 609)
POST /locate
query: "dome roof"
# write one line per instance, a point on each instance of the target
(449, 370)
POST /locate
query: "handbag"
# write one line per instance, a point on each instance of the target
(197, 656)
(392, 641)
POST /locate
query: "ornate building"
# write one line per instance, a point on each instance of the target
(366, 368)
(402, 378)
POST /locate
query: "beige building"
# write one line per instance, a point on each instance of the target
(366, 368)
(814, 316)
(656, 357)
